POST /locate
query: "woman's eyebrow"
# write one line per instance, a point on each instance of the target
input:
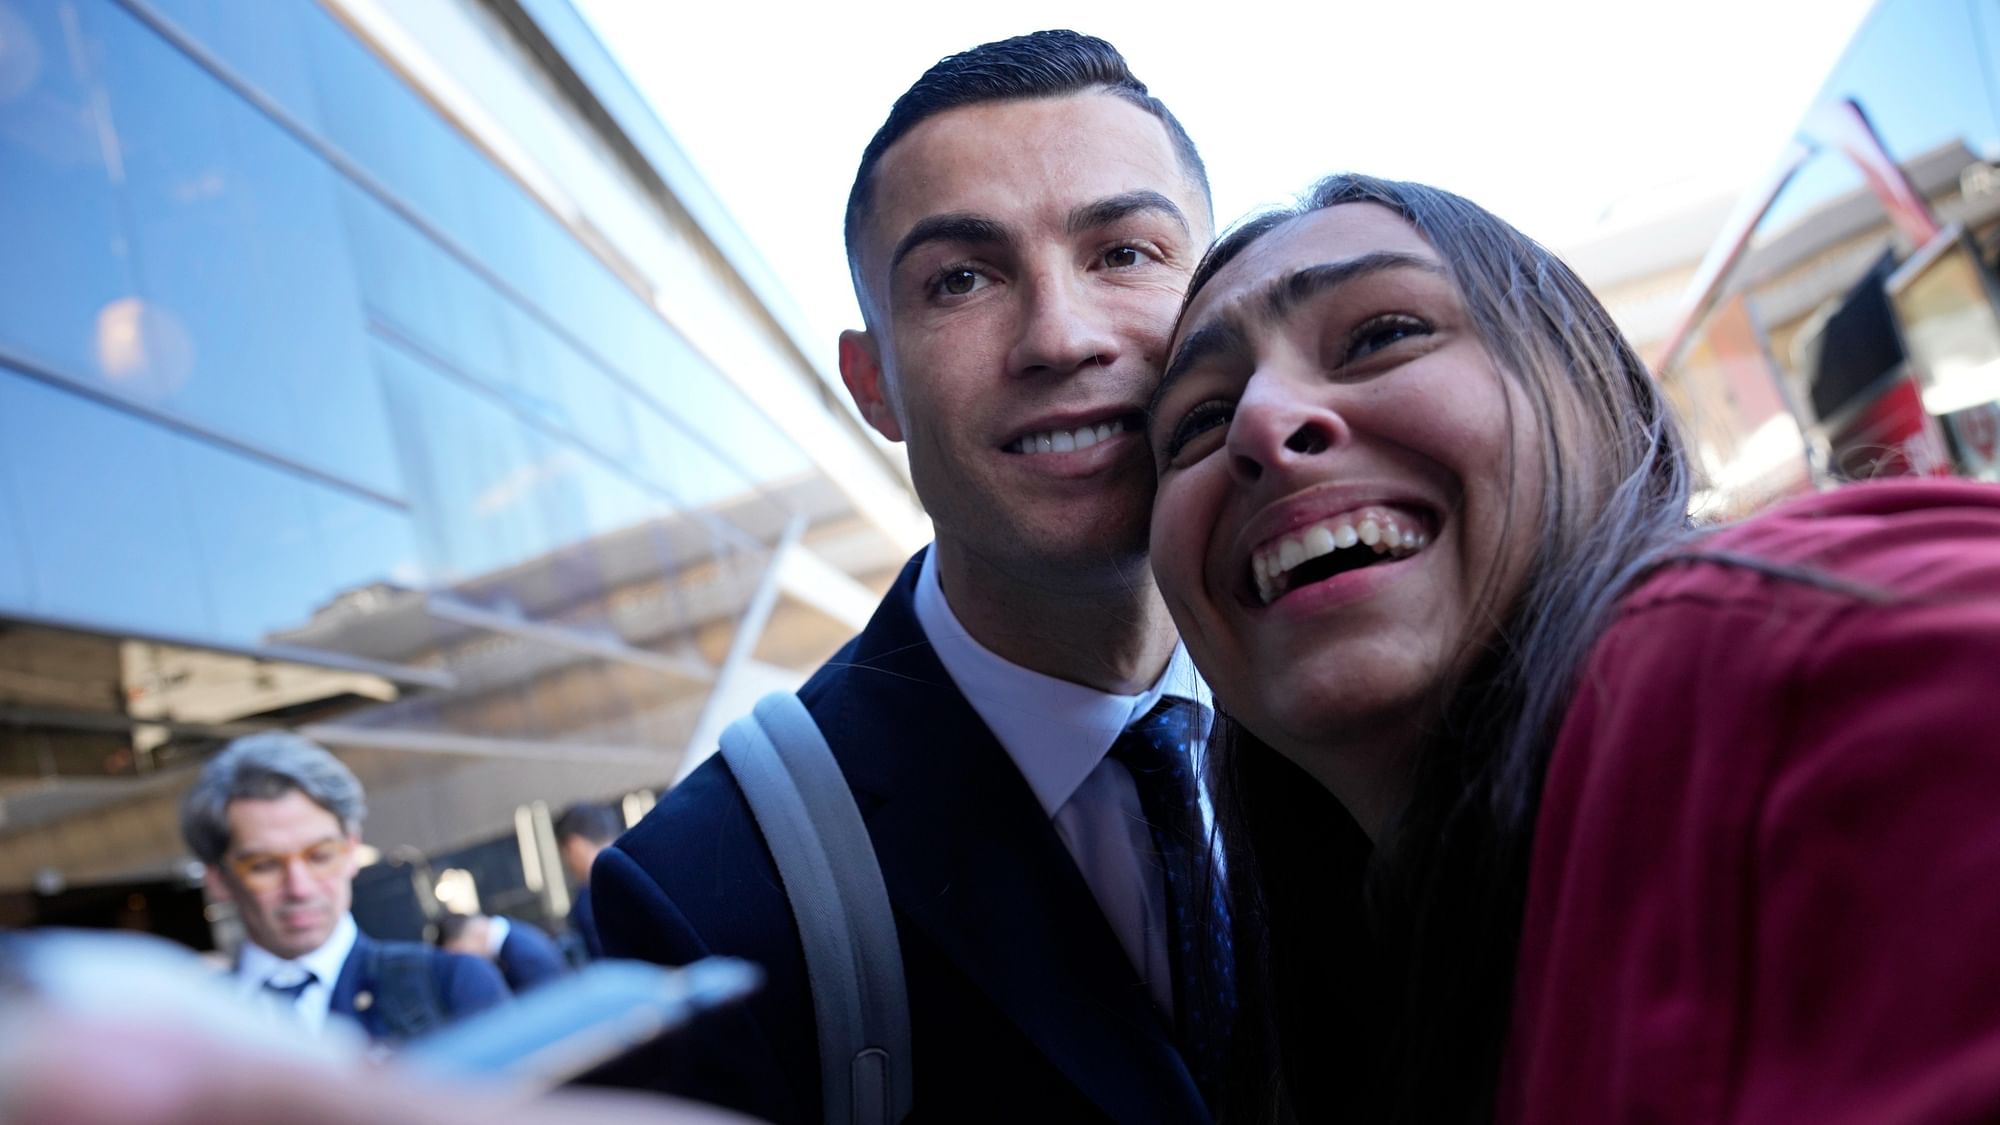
(1289, 291)
(1221, 336)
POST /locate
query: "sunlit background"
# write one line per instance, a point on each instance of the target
(453, 380)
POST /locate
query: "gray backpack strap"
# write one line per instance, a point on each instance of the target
(807, 814)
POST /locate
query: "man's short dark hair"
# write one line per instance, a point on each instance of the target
(1042, 64)
(594, 821)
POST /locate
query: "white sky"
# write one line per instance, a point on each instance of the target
(1548, 112)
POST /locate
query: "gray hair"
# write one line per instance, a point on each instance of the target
(264, 767)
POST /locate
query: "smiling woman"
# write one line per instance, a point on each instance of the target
(1497, 723)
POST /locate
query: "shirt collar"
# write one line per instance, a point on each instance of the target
(496, 933)
(1055, 731)
(257, 964)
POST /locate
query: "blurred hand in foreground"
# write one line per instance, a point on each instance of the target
(95, 1070)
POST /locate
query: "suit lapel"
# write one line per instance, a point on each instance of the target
(969, 855)
(354, 997)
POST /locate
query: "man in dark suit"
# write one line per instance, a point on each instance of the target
(583, 830)
(276, 820)
(1020, 232)
(526, 956)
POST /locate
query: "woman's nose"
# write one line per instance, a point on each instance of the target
(1276, 426)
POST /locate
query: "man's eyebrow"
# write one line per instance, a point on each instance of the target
(1278, 298)
(1104, 212)
(953, 227)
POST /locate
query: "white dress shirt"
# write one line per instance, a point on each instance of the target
(496, 933)
(1059, 735)
(256, 965)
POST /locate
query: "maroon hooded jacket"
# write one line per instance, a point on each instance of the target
(1766, 875)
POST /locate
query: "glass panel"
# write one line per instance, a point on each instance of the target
(259, 42)
(372, 117)
(265, 567)
(239, 247)
(15, 589)
(474, 480)
(552, 379)
(367, 544)
(56, 156)
(108, 530)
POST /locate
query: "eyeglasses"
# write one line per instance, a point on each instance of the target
(265, 871)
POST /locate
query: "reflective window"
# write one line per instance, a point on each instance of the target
(15, 588)
(476, 483)
(127, 523)
(56, 152)
(242, 262)
(258, 536)
(133, 561)
(554, 380)
(260, 42)
(366, 543)
(422, 291)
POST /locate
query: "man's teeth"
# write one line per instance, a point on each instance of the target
(1371, 527)
(1066, 441)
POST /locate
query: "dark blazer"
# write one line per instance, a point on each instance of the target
(583, 924)
(529, 957)
(1023, 1005)
(459, 986)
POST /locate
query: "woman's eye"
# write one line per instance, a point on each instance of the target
(1208, 416)
(1123, 257)
(1380, 332)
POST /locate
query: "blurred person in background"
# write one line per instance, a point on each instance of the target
(526, 956)
(276, 820)
(583, 830)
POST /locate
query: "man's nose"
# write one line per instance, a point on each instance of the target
(1276, 425)
(1065, 328)
(299, 879)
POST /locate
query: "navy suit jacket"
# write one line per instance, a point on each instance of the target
(1023, 1005)
(583, 923)
(463, 985)
(529, 957)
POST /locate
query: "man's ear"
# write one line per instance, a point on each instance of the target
(861, 370)
(218, 888)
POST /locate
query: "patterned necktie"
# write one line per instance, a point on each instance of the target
(1156, 752)
(289, 993)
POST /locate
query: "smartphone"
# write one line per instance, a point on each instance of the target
(566, 1027)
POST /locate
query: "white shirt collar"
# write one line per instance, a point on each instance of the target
(1056, 731)
(257, 964)
(496, 933)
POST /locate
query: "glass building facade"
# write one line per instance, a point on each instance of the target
(382, 371)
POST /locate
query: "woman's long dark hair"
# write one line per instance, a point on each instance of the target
(1375, 981)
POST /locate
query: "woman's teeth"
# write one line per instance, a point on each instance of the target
(1370, 528)
(1065, 441)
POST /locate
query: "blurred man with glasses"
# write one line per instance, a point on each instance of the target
(277, 819)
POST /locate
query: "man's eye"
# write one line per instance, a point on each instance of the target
(1208, 416)
(1380, 332)
(324, 855)
(1123, 257)
(260, 865)
(958, 282)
